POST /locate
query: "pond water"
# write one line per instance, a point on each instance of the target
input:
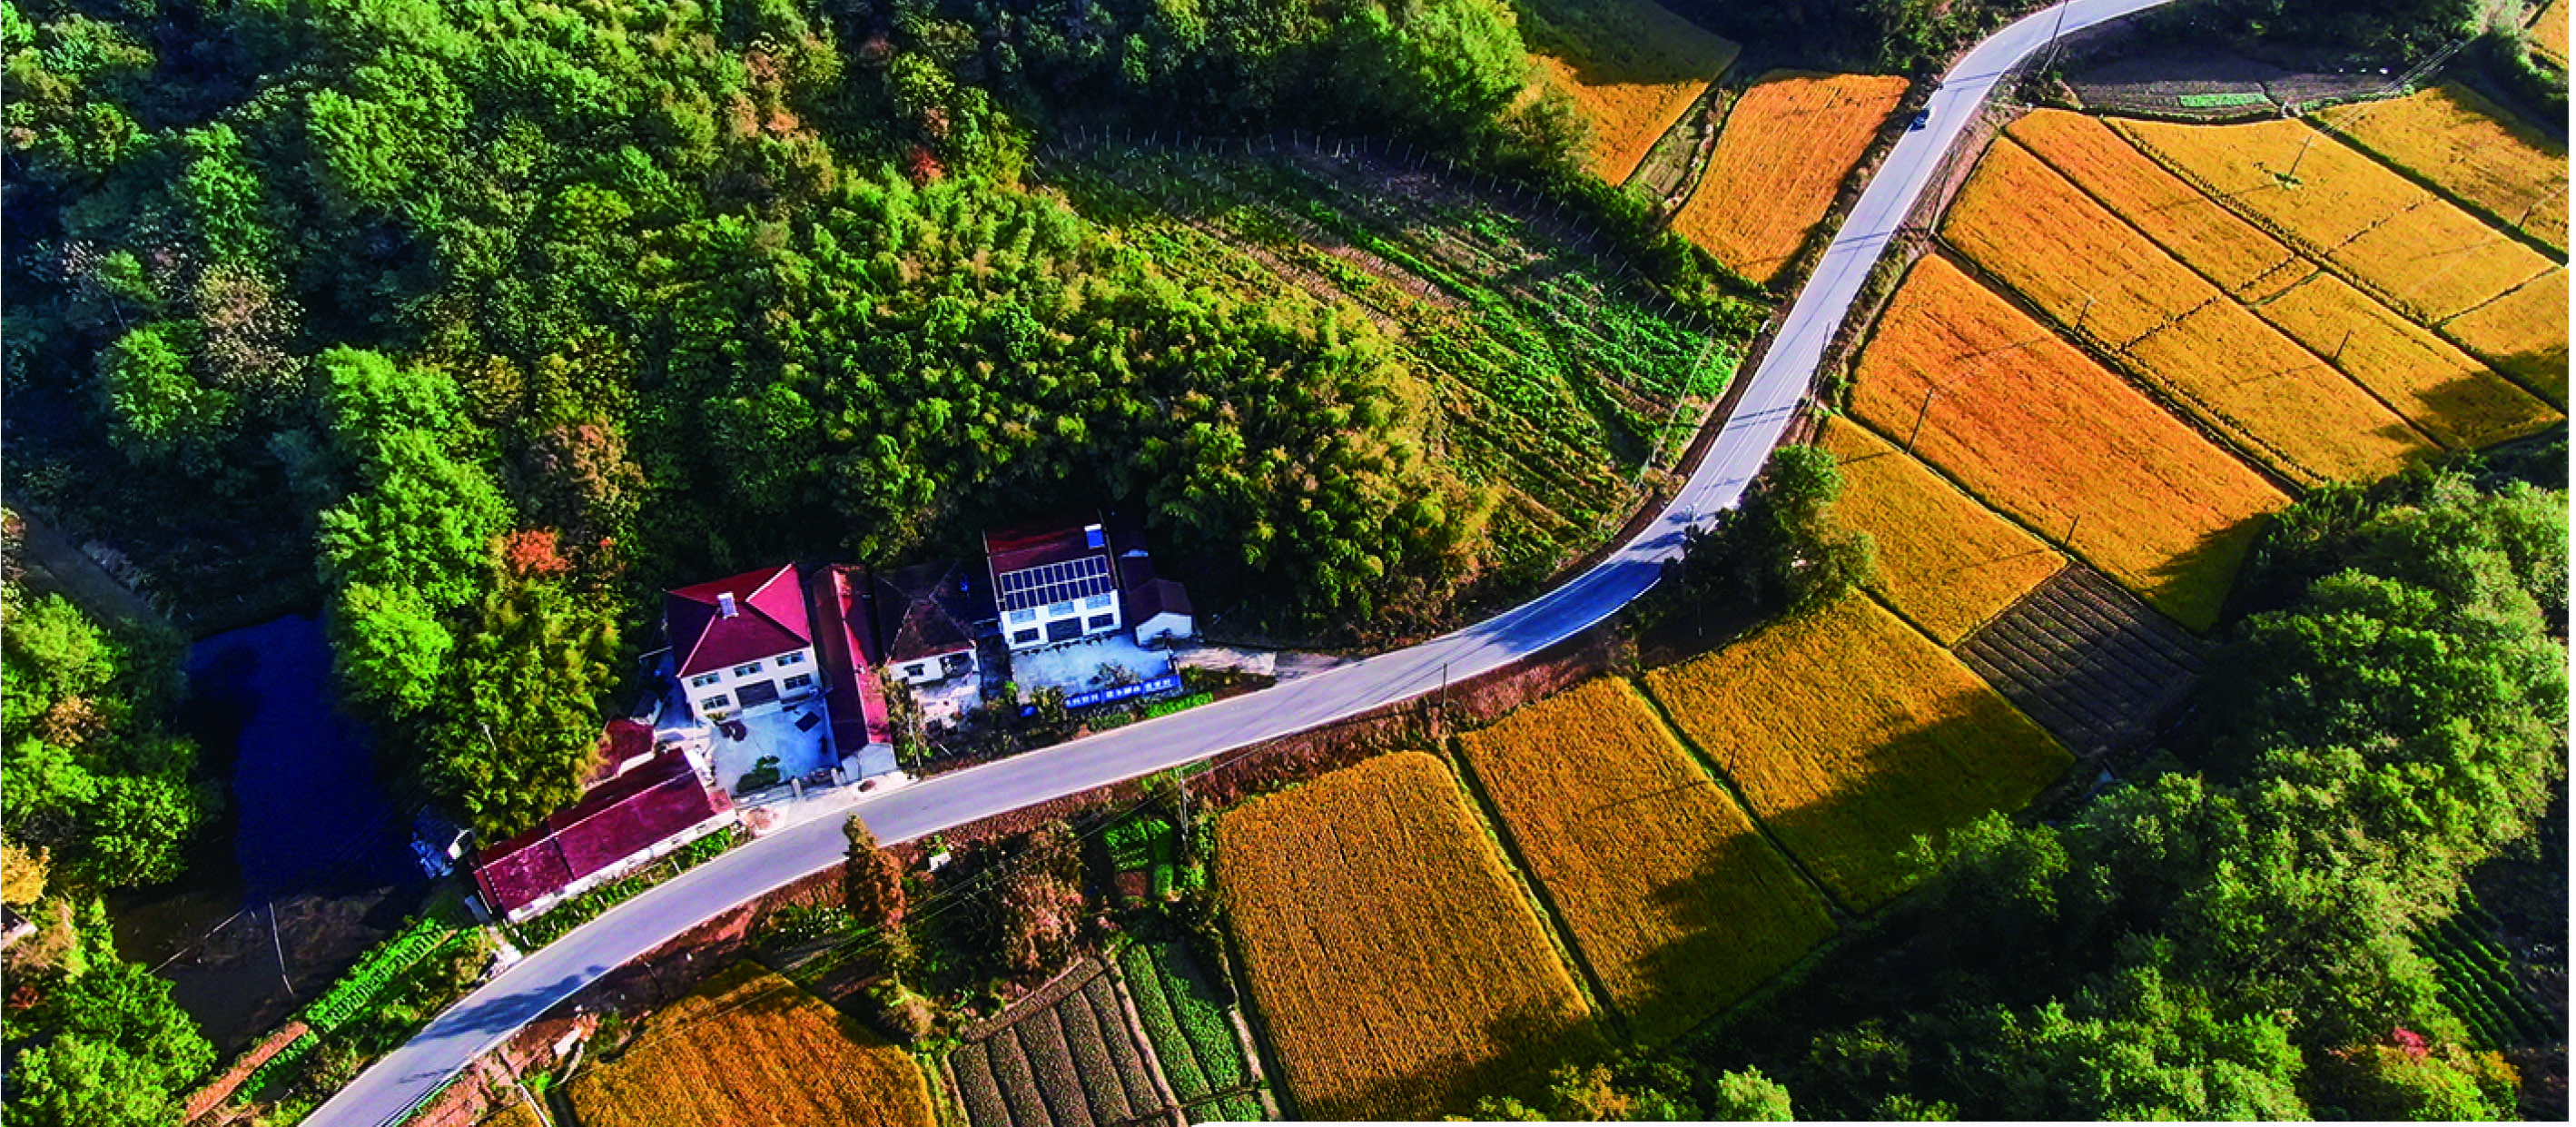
(311, 862)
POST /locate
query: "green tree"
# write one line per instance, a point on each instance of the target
(515, 730)
(159, 413)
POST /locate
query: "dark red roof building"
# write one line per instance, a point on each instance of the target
(747, 617)
(620, 818)
(853, 696)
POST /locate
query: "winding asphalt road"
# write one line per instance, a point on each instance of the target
(395, 1085)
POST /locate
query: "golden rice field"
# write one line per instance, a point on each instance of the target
(1945, 562)
(2443, 391)
(2421, 252)
(2191, 226)
(2549, 33)
(2470, 148)
(1789, 143)
(1851, 735)
(750, 1047)
(1677, 902)
(1632, 66)
(1399, 966)
(2037, 429)
(2072, 257)
(2523, 333)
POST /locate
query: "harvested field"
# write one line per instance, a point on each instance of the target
(2440, 389)
(2523, 333)
(1946, 562)
(2042, 432)
(2333, 202)
(2191, 226)
(1851, 734)
(2088, 661)
(1632, 66)
(1789, 144)
(750, 1047)
(2073, 258)
(1398, 965)
(1677, 902)
(1065, 1056)
(2475, 151)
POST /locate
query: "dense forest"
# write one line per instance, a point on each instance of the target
(479, 322)
(98, 795)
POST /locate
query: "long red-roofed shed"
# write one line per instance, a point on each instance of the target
(616, 820)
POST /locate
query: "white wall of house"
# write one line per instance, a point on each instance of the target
(924, 670)
(1034, 626)
(717, 693)
(1165, 624)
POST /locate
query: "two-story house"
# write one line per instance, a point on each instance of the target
(742, 644)
(1053, 581)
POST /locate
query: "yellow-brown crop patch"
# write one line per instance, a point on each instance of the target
(1632, 67)
(1851, 734)
(1677, 902)
(1945, 561)
(2549, 33)
(1790, 142)
(2085, 266)
(2208, 237)
(2523, 333)
(1400, 967)
(2471, 148)
(2440, 389)
(750, 1047)
(2333, 202)
(2040, 431)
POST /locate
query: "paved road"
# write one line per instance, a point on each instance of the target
(390, 1088)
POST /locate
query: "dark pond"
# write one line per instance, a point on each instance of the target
(312, 861)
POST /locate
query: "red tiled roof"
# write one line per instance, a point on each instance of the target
(769, 620)
(851, 692)
(624, 740)
(616, 820)
(1039, 543)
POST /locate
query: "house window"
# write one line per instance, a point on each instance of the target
(1024, 614)
(1023, 637)
(797, 682)
(1060, 610)
(785, 660)
(705, 679)
(1103, 621)
(746, 670)
(915, 669)
(1095, 602)
(715, 703)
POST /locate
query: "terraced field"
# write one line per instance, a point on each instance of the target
(1674, 899)
(2523, 333)
(2087, 660)
(2425, 255)
(1850, 735)
(2473, 150)
(1553, 383)
(1399, 968)
(2549, 33)
(2041, 235)
(1065, 1057)
(1631, 66)
(749, 1047)
(2041, 432)
(1789, 143)
(1945, 562)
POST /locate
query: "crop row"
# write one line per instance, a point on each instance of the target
(1945, 562)
(758, 1050)
(1788, 145)
(1071, 1062)
(2479, 984)
(2470, 148)
(1187, 1026)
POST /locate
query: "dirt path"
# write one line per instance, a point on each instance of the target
(56, 564)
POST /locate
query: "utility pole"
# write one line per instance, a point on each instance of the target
(2347, 339)
(2303, 153)
(2050, 58)
(1928, 393)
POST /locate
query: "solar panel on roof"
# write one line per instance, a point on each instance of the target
(1055, 583)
